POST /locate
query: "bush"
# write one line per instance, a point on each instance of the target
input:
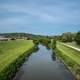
(13, 38)
(54, 44)
(35, 41)
(45, 41)
(77, 38)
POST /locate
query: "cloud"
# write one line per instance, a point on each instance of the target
(60, 13)
(39, 13)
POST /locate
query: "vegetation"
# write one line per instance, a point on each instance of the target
(22, 35)
(13, 38)
(16, 35)
(54, 43)
(70, 56)
(77, 39)
(67, 37)
(35, 41)
(73, 44)
(45, 41)
(12, 55)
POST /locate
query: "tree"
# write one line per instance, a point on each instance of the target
(67, 37)
(54, 43)
(35, 41)
(77, 38)
(45, 41)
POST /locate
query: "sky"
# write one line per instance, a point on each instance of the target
(46, 17)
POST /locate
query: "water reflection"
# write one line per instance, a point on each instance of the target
(53, 56)
(34, 51)
(47, 47)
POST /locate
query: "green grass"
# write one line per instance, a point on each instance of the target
(11, 50)
(69, 52)
(70, 57)
(73, 44)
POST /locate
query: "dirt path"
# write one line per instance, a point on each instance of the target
(71, 47)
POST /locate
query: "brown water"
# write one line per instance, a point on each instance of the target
(43, 65)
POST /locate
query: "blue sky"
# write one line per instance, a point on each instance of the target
(40, 16)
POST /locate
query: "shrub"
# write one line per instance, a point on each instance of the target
(77, 38)
(54, 44)
(13, 38)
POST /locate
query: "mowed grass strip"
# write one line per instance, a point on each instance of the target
(69, 53)
(10, 50)
(73, 44)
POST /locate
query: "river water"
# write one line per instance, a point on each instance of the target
(43, 65)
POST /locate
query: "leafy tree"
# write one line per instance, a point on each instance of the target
(54, 43)
(45, 41)
(77, 38)
(35, 41)
(67, 37)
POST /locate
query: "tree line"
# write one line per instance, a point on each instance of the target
(64, 37)
(69, 37)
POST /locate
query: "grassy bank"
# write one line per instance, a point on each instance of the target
(73, 44)
(71, 57)
(12, 54)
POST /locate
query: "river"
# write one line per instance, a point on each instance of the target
(43, 65)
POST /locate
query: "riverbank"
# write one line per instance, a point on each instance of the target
(74, 44)
(78, 49)
(12, 55)
(43, 65)
(70, 57)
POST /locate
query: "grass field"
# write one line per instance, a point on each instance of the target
(69, 52)
(70, 57)
(73, 44)
(10, 50)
